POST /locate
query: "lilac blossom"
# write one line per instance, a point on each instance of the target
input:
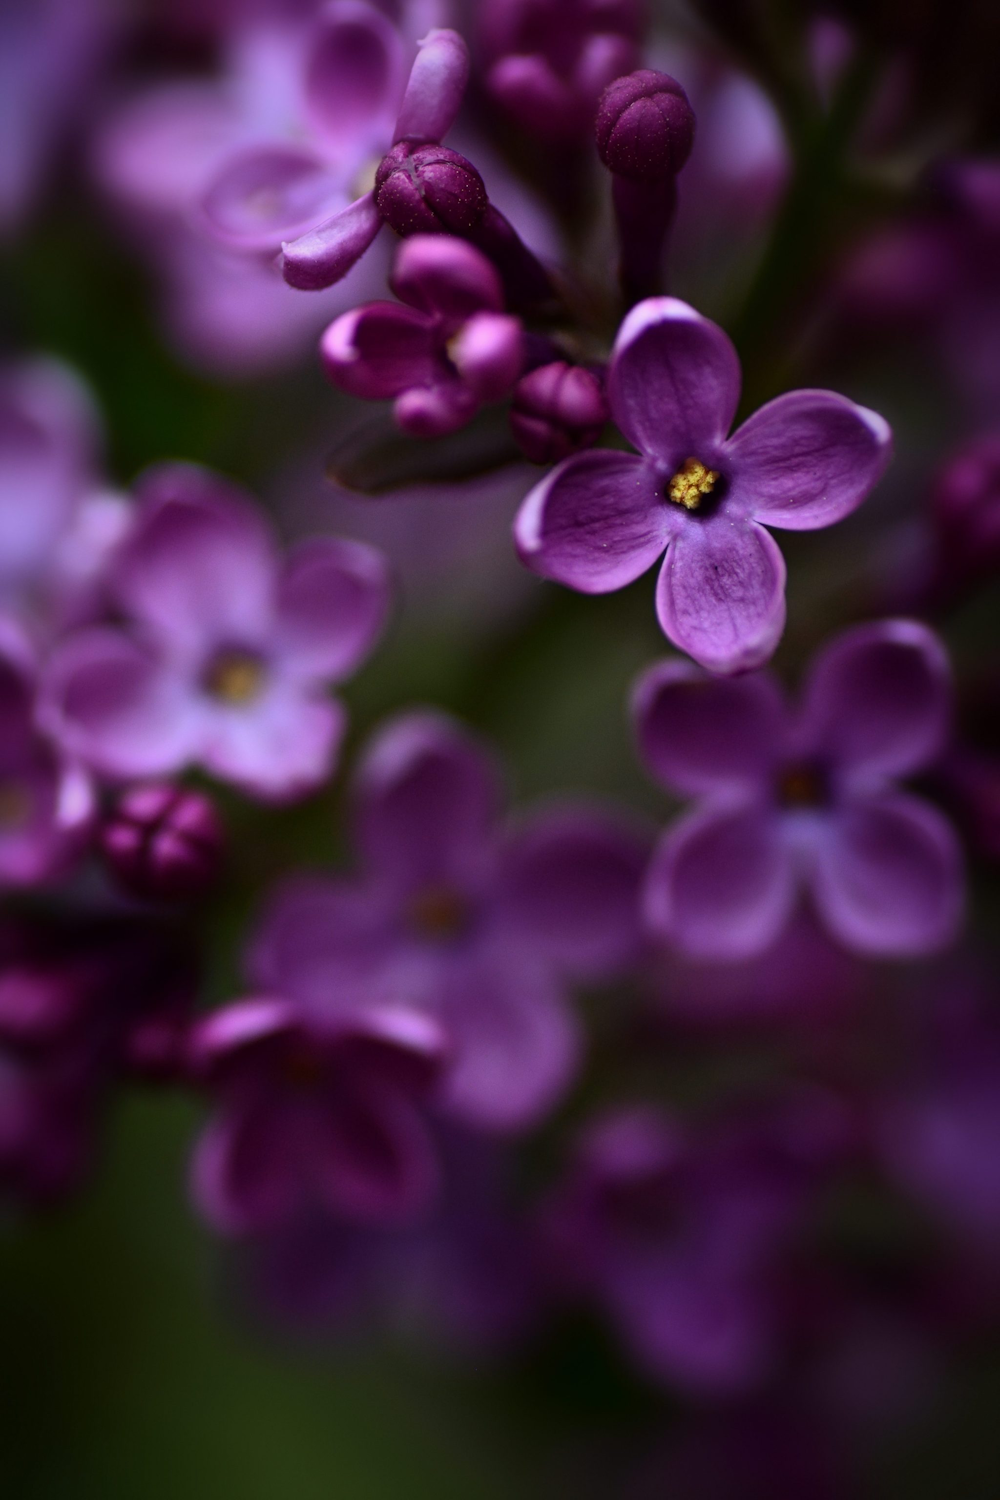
(788, 799)
(602, 518)
(227, 651)
(473, 923)
(549, 60)
(680, 1235)
(439, 357)
(314, 1114)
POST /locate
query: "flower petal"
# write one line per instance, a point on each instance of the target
(110, 701)
(437, 273)
(517, 1044)
(807, 459)
(570, 885)
(700, 734)
(673, 381)
(887, 877)
(353, 76)
(333, 598)
(322, 942)
(326, 254)
(428, 797)
(721, 593)
(246, 1169)
(878, 699)
(435, 88)
(199, 564)
(433, 411)
(595, 523)
(267, 194)
(488, 352)
(373, 1155)
(721, 884)
(381, 349)
(281, 746)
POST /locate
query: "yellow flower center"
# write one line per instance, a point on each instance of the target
(438, 913)
(691, 483)
(235, 677)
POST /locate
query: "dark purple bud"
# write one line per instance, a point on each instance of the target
(555, 410)
(429, 190)
(644, 126)
(163, 842)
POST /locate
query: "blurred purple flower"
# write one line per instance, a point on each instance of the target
(602, 518)
(548, 61)
(682, 1237)
(454, 914)
(163, 842)
(314, 1115)
(229, 650)
(450, 349)
(809, 798)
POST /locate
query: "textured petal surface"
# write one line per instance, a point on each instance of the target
(721, 593)
(700, 734)
(427, 800)
(878, 699)
(673, 381)
(379, 350)
(595, 523)
(354, 76)
(570, 885)
(721, 884)
(111, 702)
(333, 598)
(326, 254)
(887, 878)
(807, 459)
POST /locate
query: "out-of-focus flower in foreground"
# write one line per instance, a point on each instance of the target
(602, 518)
(228, 650)
(787, 799)
(447, 351)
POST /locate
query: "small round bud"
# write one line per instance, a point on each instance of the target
(163, 842)
(644, 126)
(556, 409)
(429, 190)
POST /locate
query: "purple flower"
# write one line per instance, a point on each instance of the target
(228, 650)
(550, 60)
(450, 349)
(473, 923)
(314, 1115)
(789, 799)
(681, 1237)
(46, 799)
(601, 519)
(308, 199)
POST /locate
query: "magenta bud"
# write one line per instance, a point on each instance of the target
(429, 190)
(163, 842)
(556, 409)
(644, 126)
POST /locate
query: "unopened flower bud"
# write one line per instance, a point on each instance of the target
(644, 126)
(429, 190)
(556, 409)
(163, 842)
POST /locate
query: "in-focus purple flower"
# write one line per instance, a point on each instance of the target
(228, 651)
(555, 410)
(439, 357)
(548, 61)
(46, 799)
(602, 518)
(163, 841)
(681, 1236)
(476, 924)
(807, 798)
(314, 1115)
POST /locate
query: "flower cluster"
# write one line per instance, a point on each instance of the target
(501, 1064)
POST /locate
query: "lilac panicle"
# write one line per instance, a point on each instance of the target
(786, 800)
(556, 409)
(163, 841)
(441, 355)
(603, 517)
(228, 649)
(474, 923)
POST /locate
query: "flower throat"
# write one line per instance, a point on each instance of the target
(692, 482)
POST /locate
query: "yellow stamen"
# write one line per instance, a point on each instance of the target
(235, 677)
(691, 482)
